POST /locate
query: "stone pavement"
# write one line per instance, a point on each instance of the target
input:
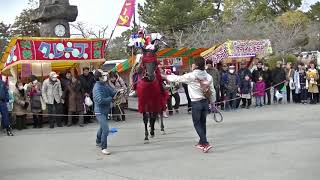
(278, 142)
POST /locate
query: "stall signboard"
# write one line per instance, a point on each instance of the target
(238, 49)
(248, 48)
(171, 61)
(29, 50)
(218, 54)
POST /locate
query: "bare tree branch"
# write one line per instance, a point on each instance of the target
(87, 32)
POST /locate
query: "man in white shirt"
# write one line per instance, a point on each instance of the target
(199, 102)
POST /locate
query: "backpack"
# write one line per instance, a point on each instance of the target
(205, 87)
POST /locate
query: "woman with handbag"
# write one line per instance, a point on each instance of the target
(20, 106)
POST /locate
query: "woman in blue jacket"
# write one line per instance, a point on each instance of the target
(102, 98)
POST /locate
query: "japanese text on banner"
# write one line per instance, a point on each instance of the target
(126, 13)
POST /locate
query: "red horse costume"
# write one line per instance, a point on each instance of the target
(151, 95)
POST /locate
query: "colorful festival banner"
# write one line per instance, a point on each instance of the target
(29, 50)
(126, 13)
(218, 54)
(247, 48)
(171, 61)
(238, 49)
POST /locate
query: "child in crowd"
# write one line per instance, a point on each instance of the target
(260, 88)
(246, 91)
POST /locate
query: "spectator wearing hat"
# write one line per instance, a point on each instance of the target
(102, 98)
(213, 71)
(52, 96)
(34, 92)
(231, 84)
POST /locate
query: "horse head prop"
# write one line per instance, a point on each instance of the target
(148, 65)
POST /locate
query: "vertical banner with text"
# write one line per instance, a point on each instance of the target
(126, 13)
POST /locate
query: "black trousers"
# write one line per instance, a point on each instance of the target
(65, 112)
(37, 121)
(313, 98)
(246, 102)
(222, 97)
(288, 93)
(177, 102)
(232, 101)
(185, 87)
(267, 95)
(217, 94)
(55, 108)
(89, 114)
(21, 122)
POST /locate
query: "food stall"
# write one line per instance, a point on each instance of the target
(25, 56)
(233, 52)
(39, 56)
(179, 60)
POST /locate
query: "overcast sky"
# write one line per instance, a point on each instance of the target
(94, 12)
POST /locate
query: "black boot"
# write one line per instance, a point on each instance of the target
(9, 132)
(40, 122)
(19, 123)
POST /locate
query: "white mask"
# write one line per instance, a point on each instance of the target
(35, 81)
(105, 78)
(20, 87)
(231, 71)
(54, 79)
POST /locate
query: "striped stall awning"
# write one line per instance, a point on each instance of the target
(167, 52)
(182, 52)
(125, 65)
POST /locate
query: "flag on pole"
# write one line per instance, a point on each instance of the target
(126, 13)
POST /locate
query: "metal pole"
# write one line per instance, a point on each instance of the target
(108, 43)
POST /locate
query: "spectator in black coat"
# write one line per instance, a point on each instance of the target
(244, 71)
(267, 76)
(65, 82)
(87, 82)
(257, 72)
(278, 79)
(223, 72)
